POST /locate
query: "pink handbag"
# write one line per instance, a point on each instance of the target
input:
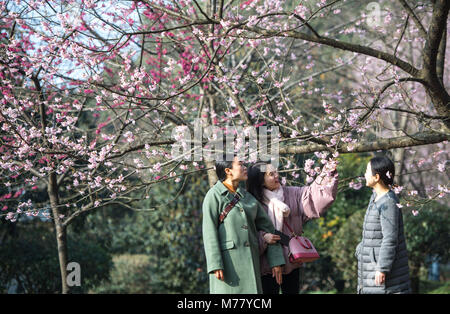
(301, 250)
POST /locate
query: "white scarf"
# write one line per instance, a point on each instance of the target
(277, 208)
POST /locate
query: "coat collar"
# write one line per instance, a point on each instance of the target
(222, 189)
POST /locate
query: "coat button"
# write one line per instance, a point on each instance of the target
(242, 210)
(246, 243)
(244, 227)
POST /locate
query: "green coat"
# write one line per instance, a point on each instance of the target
(233, 245)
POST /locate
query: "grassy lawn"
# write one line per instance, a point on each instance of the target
(434, 287)
(426, 287)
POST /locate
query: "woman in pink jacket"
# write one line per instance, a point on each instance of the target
(291, 204)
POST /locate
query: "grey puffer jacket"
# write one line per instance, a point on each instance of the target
(383, 248)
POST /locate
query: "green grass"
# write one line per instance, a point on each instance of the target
(434, 287)
(426, 287)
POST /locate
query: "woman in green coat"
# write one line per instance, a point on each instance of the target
(232, 247)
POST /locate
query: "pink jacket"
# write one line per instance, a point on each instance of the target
(306, 202)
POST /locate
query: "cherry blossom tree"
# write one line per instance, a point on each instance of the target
(96, 93)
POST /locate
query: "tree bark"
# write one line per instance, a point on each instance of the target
(212, 176)
(439, 97)
(399, 154)
(61, 231)
(433, 56)
(440, 61)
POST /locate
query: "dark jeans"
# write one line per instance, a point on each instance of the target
(289, 285)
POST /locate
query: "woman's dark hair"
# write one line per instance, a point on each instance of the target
(385, 169)
(255, 179)
(227, 157)
(220, 168)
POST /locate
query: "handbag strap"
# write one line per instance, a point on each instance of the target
(298, 238)
(229, 207)
(290, 229)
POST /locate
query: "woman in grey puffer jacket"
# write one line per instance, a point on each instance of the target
(382, 256)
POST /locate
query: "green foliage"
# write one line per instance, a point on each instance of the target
(343, 248)
(325, 274)
(161, 250)
(30, 258)
(170, 236)
(95, 262)
(428, 233)
(131, 274)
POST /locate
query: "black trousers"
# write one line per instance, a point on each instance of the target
(289, 285)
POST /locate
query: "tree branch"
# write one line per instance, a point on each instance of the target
(405, 66)
(422, 138)
(416, 20)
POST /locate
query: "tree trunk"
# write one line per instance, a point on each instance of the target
(52, 190)
(212, 176)
(61, 231)
(415, 269)
(440, 61)
(436, 91)
(399, 154)
(433, 58)
(205, 114)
